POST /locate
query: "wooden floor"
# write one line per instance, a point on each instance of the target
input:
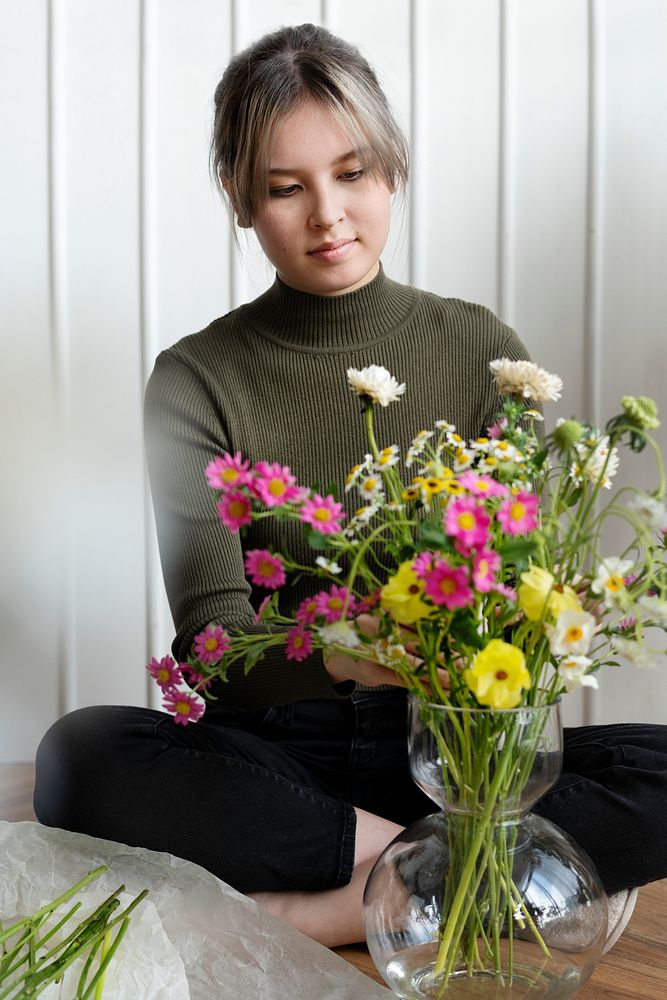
(635, 969)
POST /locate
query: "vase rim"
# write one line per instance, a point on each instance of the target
(480, 709)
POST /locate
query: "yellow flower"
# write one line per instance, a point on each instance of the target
(539, 593)
(402, 596)
(498, 675)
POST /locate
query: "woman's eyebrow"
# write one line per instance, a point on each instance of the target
(339, 159)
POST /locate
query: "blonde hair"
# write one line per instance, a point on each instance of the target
(268, 81)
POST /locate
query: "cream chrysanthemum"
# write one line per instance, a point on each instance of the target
(341, 633)
(375, 383)
(524, 378)
(597, 462)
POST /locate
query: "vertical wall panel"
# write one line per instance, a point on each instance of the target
(545, 170)
(29, 504)
(456, 156)
(96, 59)
(548, 118)
(633, 293)
(186, 245)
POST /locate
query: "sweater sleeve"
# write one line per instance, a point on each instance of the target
(202, 561)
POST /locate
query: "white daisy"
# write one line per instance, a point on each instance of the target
(597, 462)
(609, 580)
(329, 566)
(463, 459)
(375, 383)
(389, 652)
(573, 672)
(653, 511)
(364, 514)
(653, 609)
(523, 378)
(388, 457)
(371, 487)
(357, 471)
(572, 633)
(417, 446)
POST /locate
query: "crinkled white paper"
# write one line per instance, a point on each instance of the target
(199, 938)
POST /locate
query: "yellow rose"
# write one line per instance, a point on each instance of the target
(498, 675)
(538, 592)
(402, 596)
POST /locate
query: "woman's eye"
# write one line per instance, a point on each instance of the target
(283, 192)
(352, 175)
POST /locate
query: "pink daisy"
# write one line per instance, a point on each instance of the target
(164, 672)
(482, 486)
(505, 591)
(518, 514)
(331, 603)
(308, 610)
(322, 513)
(467, 521)
(368, 602)
(497, 430)
(264, 569)
(211, 644)
(448, 585)
(228, 472)
(184, 707)
(424, 563)
(299, 643)
(234, 509)
(194, 679)
(485, 565)
(274, 484)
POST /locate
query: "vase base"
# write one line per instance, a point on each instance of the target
(409, 974)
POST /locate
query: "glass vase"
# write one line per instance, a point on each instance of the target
(484, 899)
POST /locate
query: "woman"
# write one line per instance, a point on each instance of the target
(297, 778)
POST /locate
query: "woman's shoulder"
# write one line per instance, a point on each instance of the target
(456, 317)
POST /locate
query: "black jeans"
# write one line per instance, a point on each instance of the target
(265, 799)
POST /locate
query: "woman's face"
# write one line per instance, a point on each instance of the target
(325, 220)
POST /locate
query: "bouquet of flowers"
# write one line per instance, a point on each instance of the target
(488, 562)
(482, 565)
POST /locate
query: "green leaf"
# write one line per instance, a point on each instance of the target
(517, 550)
(254, 654)
(575, 497)
(540, 458)
(433, 535)
(316, 540)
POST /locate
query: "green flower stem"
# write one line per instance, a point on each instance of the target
(48, 908)
(86, 937)
(469, 866)
(390, 481)
(370, 431)
(109, 949)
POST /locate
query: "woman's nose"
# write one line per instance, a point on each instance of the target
(326, 209)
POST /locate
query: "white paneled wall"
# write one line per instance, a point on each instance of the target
(539, 138)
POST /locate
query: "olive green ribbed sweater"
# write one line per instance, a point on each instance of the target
(269, 380)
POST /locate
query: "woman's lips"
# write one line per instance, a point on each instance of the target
(332, 253)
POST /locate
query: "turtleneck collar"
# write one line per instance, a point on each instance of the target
(331, 323)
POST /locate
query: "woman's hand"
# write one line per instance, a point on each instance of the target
(346, 667)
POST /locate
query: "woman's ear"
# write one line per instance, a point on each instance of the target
(242, 221)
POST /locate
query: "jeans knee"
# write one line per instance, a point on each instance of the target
(64, 767)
